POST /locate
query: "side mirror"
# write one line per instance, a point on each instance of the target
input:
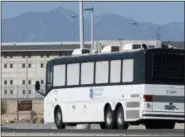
(37, 85)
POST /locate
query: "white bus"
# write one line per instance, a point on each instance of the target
(116, 89)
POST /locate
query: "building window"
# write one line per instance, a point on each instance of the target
(47, 55)
(23, 82)
(5, 65)
(10, 56)
(41, 65)
(29, 56)
(29, 81)
(5, 82)
(23, 91)
(23, 56)
(5, 57)
(29, 65)
(5, 91)
(23, 65)
(11, 65)
(11, 91)
(11, 82)
(42, 81)
(41, 56)
(29, 91)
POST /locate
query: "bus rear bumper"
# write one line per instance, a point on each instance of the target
(177, 116)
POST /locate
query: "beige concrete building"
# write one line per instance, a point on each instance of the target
(24, 63)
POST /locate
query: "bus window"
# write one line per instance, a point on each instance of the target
(168, 67)
(49, 78)
(136, 46)
(173, 66)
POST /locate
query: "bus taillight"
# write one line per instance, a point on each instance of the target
(147, 98)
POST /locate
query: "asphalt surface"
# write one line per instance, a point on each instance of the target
(50, 130)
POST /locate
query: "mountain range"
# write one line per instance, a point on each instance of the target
(58, 25)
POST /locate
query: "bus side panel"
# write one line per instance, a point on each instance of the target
(78, 106)
(49, 105)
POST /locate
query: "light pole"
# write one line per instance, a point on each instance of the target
(120, 44)
(135, 25)
(92, 25)
(74, 17)
(81, 22)
(158, 36)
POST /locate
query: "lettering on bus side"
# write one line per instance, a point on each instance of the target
(91, 93)
(171, 91)
(95, 92)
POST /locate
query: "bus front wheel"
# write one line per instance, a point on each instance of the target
(58, 119)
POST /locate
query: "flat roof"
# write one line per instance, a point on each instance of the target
(42, 46)
(57, 43)
(59, 46)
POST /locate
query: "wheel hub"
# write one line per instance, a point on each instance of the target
(120, 118)
(109, 118)
(58, 117)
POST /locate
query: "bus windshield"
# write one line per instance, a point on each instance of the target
(168, 67)
(49, 77)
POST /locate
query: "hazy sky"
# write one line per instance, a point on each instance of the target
(155, 12)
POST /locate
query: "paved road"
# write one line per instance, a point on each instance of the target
(52, 126)
(54, 132)
(50, 130)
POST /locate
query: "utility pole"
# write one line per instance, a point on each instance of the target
(92, 25)
(135, 25)
(74, 17)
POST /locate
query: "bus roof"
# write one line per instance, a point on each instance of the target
(109, 56)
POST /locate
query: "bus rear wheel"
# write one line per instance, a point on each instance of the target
(58, 119)
(154, 124)
(120, 121)
(168, 125)
(109, 119)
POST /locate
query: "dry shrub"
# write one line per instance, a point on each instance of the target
(34, 120)
(12, 121)
(34, 117)
(33, 114)
(4, 106)
(41, 120)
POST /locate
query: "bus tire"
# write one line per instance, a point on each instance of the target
(109, 119)
(102, 125)
(58, 119)
(154, 124)
(120, 121)
(169, 125)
